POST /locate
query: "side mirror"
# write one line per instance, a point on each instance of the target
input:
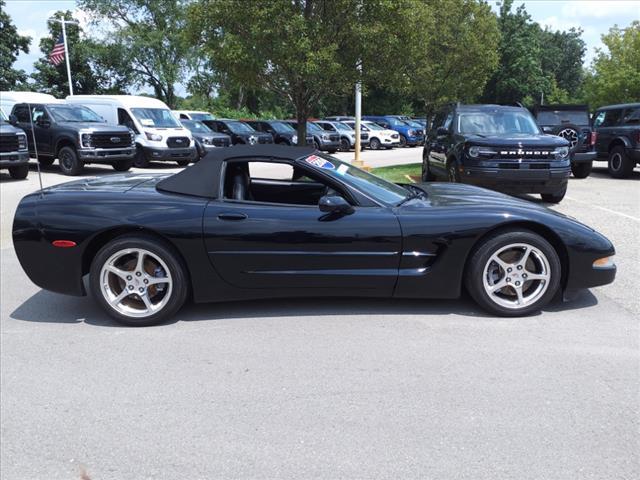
(13, 120)
(442, 132)
(335, 204)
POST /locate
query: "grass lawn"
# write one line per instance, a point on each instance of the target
(397, 173)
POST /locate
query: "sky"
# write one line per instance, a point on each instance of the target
(595, 17)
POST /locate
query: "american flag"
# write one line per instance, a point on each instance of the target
(57, 54)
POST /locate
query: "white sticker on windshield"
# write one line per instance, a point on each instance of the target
(147, 122)
(342, 169)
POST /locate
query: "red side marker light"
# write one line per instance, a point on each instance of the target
(63, 243)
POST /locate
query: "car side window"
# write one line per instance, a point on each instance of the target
(125, 119)
(38, 112)
(611, 118)
(631, 116)
(22, 113)
(448, 120)
(439, 119)
(598, 119)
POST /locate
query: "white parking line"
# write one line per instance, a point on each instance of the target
(605, 209)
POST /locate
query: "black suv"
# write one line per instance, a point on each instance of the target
(572, 123)
(14, 154)
(282, 132)
(240, 132)
(618, 137)
(75, 135)
(498, 147)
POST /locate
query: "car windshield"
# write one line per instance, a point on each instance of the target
(313, 128)
(73, 113)
(372, 126)
(239, 127)
(497, 123)
(413, 123)
(394, 122)
(281, 127)
(342, 126)
(201, 116)
(558, 117)
(155, 117)
(379, 189)
(195, 126)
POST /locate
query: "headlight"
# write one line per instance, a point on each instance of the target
(561, 152)
(207, 141)
(85, 140)
(412, 133)
(325, 137)
(294, 139)
(475, 152)
(132, 134)
(154, 137)
(22, 142)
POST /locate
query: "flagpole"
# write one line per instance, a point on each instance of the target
(66, 56)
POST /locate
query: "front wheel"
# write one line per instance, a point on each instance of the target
(555, 197)
(403, 141)
(581, 170)
(140, 160)
(345, 145)
(139, 280)
(316, 145)
(183, 163)
(513, 273)
(122, 165)
(452, 172)
(20, 172)
(620, 165)
(374, 144)
(427, 175)
(69, 162)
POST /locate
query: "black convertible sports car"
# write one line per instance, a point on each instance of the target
(275, 221)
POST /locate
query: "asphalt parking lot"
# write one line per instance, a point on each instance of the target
(348, 388)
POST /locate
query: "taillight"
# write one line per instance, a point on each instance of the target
(594, 137)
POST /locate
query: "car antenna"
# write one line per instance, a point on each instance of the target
(35, 148)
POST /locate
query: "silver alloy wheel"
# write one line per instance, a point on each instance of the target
(570, 135)
(136, 282)
(616, 162)
(516, 276)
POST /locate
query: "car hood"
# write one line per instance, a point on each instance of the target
(517, 140)
(95, 127)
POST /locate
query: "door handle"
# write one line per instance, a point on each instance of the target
(232, 216)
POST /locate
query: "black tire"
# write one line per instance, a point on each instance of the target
(140, 160)
(69, 162)
(620, 165)
(570, 133)
(122, 165)
(555, 197)
(374, 144)
(345, 145)
(453, 175)
(316, 145)
(581, 170)
(166, 253)
(46, 161)
(20, 172)
(476, 274)
(427, 175)
(403, 141)
(183, 163)
(332, 151)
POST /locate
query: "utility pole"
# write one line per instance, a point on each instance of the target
(358, 161)
(64, 22)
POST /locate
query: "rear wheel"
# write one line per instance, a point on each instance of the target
(122, 165)
(555, 197)
(581, 170)
(513, 273)
(374, 144)
(620, 165)
(138, 280)
(20, 172)
(69, 162)
(427, 176)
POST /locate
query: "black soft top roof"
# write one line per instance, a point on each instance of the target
(202, 179)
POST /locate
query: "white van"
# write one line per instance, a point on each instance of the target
(193, 115)
(159, 135)
(9, 99)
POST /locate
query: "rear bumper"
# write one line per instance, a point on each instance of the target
(517, 180)
(170, 154)
(106, 154)
(13, 159)
(634, 154)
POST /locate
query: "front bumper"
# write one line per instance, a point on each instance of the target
(583, 157)
(106, 154)
(170, 154)
(520, 180)
(13, 159)
(415, 140)
(326, 145)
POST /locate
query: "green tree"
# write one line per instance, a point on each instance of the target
(95, 67)
(301, 50)
(562, 58)
(519, 76)
(150, 35)
(614, 76)
(11, 44)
